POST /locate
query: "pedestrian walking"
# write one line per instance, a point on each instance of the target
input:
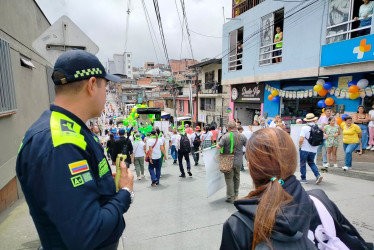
(183, 146)
(63, 172)
(139, 154)
(173, 151)
(236, 140)
(155, 147)
(371, 129)
(206, 138)
(351, 139)
(279, 213)
(308, 151)
(195, 145)
(331, 133)
(122, 146)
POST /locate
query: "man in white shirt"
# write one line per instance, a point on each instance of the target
(183, 146)
(307, 151)
(155, 147)
(278, 123)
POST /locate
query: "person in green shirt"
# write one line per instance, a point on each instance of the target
(278, 47)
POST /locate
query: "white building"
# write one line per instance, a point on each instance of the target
(121, 64)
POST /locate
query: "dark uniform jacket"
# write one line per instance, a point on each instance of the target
(298, 216)
(68, 184)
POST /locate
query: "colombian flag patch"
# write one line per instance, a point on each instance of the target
(78, 167)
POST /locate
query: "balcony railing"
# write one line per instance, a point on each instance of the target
(266, 55)
(344, 33)
(235, 61)
(209, 88)
(239, 7)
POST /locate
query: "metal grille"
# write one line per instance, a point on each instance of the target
(7, 91)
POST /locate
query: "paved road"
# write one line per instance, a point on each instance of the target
(177, 215)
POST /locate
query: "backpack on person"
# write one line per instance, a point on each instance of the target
(185, 145)
(278, 240)
(316, 135)
(197, 141)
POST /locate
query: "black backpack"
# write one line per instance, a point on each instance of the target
(197, 141)
(185, 145)
(278, 240)
(316, 135)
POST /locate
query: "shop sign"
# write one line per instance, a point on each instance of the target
(355, 50)
(201, 118)
(250, 93)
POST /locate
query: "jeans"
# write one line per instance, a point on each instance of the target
(174, 152)
(307, 157)
(195, 156)
(180, 159)
(348, 149)
(324, 152)
(155, 166)
(364, 137)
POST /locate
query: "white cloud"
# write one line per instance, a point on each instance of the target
(105, 21)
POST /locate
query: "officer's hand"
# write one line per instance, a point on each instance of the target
(127, 178)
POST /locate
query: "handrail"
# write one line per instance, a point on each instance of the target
(270, 44)
(347, 22)
(349, 31)
(271, 51)
(270, 58)
(236, 54)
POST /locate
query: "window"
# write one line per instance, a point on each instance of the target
(129, 67)
(7, 92)
(181, 105)
(271, 40)
(341, 24)
(26, 62)
(209, 79)
(208, 104)
(128, 55)
(236, 49)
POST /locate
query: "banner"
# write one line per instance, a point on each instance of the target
(214, 178)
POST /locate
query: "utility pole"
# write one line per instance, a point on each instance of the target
(197, 96)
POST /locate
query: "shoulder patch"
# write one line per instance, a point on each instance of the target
(64, 130)
(77, 180)
(103, 167)
(78, 167)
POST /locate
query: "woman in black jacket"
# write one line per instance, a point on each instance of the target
(279, 212)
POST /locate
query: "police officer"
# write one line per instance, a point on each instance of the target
(62, 169)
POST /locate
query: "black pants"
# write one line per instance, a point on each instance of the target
(195, 156)
(180, 159)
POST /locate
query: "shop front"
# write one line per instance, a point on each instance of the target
(247, 101)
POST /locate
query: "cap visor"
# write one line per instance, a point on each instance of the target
(112, 78)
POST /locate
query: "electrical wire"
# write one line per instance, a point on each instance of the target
(187, 29)
(149, 28)
(158, 15)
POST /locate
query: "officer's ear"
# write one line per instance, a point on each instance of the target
(91, 86)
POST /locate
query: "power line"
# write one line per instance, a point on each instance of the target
(157, 10)
(207, 35)
(182, 27)
(186, 22)
(149, 28)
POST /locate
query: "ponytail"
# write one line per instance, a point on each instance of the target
(272, 197)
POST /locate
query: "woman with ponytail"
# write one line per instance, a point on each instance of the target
(279, 208)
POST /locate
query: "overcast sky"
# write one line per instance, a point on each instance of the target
(104, 21)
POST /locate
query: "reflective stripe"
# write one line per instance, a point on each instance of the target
(64, 130)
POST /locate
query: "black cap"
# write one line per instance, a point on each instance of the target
(76, 65)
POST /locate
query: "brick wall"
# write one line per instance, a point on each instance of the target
(8, 194)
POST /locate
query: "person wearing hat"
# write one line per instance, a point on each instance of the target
(62, 169)
(307, 151)
(195, 145)
(123, 146)
(155, 147)
(139, 154)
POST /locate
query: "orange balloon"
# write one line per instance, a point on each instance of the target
(270, 97)
(323, 92)
(329, 101)
(339, 120)
(353, 89)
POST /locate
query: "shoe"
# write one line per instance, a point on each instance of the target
(143, 176)
(189, 173)
(175, 162)
(196, 164)
(303, 182)
(182, 175)
(345, 168)
(368, 147)
(154, 184)
(319, 179)
(326, 165)
(229, 201)
(336, 166)
(139, 178)
(372, 149)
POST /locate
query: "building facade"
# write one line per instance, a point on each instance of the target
(121, 64)
(321, 41)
